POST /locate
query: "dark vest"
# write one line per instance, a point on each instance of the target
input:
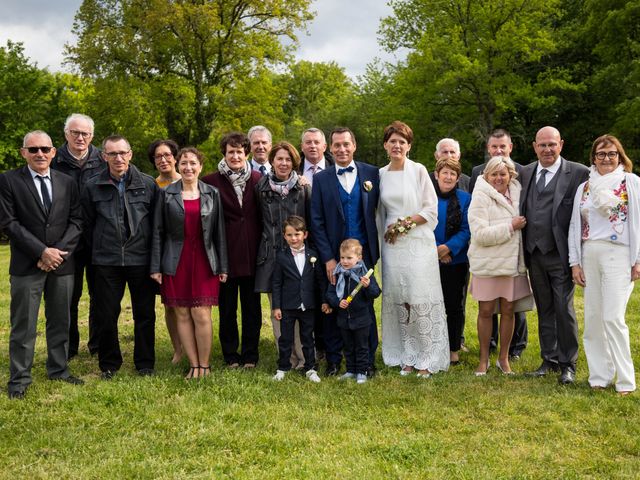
(540, 216)
(352, 208)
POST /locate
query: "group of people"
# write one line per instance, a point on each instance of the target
(308, 230)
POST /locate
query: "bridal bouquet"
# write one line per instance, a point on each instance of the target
(398, 229)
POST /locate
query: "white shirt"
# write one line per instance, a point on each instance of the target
(300, 259)
(47, 180)
(308, 169)
(256, 166)
(347, 179)
(551, 171)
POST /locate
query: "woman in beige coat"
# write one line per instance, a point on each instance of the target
(496, 258)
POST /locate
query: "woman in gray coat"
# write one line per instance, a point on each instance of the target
(280, 194)
(189, 257)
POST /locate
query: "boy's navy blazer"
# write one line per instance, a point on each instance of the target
(290, 289)
(358, 314)
(328, 225)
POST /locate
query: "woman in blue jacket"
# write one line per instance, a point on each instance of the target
(452, 238)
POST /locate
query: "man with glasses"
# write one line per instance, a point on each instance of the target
(118, 209)
(548, 189)
(78, 158)
(40, 213)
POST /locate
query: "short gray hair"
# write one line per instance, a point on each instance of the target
(448, 140)
(259, 128)
(313, 130)
(35, 132)
(495, 163)
(78, 116)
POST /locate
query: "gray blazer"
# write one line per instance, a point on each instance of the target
(570, 176)
(168, 235)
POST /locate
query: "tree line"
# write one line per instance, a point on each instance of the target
(194, 69)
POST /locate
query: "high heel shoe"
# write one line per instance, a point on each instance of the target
(504, 372)
(482, 374)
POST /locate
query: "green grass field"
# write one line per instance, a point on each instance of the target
(238, 424)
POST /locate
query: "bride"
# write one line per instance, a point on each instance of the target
(414, 327)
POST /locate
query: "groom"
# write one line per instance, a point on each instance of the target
(343, 204)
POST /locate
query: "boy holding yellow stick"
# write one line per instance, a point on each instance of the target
(352, 296)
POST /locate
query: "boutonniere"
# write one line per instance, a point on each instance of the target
(367, 186)
(313, 261)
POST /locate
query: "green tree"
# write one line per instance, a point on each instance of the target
(474, 65)
(30, 99)
(207, 46)
(317, 95)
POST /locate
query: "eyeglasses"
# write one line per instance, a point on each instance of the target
(35, 149)
(114, 155)
(601, 155)
(78, 133)
(162, 156)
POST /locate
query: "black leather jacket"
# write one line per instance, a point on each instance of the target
(118, 232)
(168, 234)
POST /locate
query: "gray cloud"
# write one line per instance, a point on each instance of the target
(343, 31)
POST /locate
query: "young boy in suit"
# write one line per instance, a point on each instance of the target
(295, 280)
(354, 317)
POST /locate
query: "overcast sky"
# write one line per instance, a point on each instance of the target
(343, 31)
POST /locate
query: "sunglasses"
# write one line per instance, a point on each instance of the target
(35, 149)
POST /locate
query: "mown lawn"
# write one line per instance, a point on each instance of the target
(238, 424)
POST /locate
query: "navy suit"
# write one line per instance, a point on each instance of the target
(328, 227)
(291, 290)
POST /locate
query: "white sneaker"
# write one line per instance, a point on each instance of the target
(347, 376)
(312, 375)
(279, 375)
(361, 378)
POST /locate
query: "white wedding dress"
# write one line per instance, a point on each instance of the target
(416, 336)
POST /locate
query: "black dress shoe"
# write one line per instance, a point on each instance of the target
(70, 379)
(371, 372)
(568, 376)
(16, 394)
(332, 369)
(543, 369)
(71, 354)
(108, 374)
(146, 372)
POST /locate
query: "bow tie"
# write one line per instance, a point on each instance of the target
(346, 169)
(296, 251)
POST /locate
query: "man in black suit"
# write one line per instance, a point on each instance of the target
(118, 206)
(78, 158)
(315, 159)
(260, 141)
(548, 189)
(499, 144)
(40, 212)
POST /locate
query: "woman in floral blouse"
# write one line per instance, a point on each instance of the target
(604, 254)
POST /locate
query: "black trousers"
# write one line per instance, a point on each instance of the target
(74, 333)
(110, 282)
(319, 321)
(306, 320)
(251, 320)
(356, 349)
(453, 280)
(520, 336)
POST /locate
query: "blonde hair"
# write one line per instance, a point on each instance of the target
(496, 163)
(351, 244)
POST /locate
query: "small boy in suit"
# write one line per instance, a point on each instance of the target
(354, 317)
(295, 280)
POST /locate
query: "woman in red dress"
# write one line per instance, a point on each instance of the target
(189, 257)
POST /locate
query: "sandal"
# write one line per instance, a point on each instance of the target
(205, 371)
(191, 373)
